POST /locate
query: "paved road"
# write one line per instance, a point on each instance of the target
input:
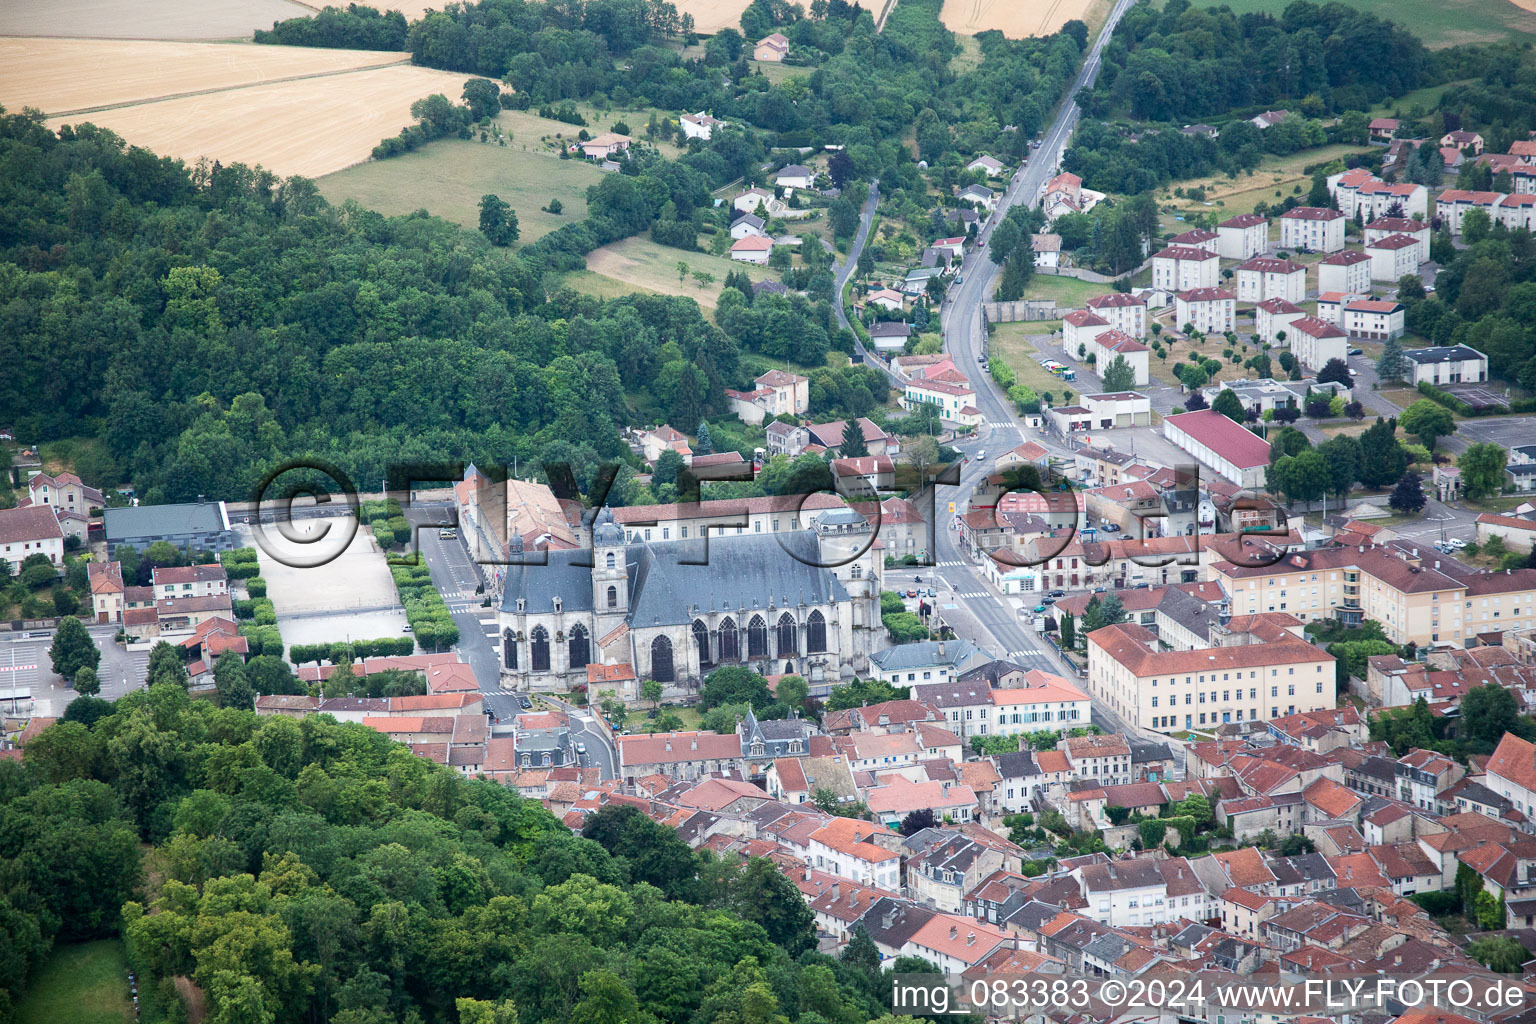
(456, 576)
(601, 752)
(966, 600)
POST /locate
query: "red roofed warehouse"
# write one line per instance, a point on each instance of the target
(1229, 448)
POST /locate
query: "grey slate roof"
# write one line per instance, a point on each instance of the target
(1189, 611)
(1441, 354)
(163, 520)
(747, 572)
(1017, 766)
(927, 652)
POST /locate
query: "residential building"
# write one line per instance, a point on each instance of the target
(1348, 270)
(171, 582)
(1430, 602)
(794, 176)
(1265, 277)
(1273, 317)
(1079, 327)
(1517, 212)
(1121, 409)
(786, 438)
(1178, 268)
(1376, 319)
(1047, 250)
(106, 579)
(773, 47)
(64, 492)
(1312, 227)
(956, 403)
(1268, 119)
(603, 147)
(753, 249)
(1197, 238)
(1315, 341)
(1453, 204)
(890, 335)
(1463, 140)
(201, 526)
(665, 438)
(988, 165)
(1511, 773)
(1105, 347)
(859, 850)
(1382, 130)
(748, 225)
(830, 435)
(1207, 310)
(1104, 759)
(928, 661)
(1242, 237)
(1376, 198)
(754, 199)
(1447, 364)
(27, 531)
(955, 943)
(679, 755)
(1391, 259)
(1384, 227)
(1123, 311)
(1172, 690)
(1230, 449)
(980, 195)
(699, 126)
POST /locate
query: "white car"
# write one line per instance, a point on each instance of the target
(1457, 543)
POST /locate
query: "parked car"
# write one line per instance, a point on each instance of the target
(581, 748)
(981, 454)
(932, 592)
(405, 628)
(1047, 600)
(1357, 351)
(447, 534)
(1040, 609)
(1058, 593)
(1457, 543)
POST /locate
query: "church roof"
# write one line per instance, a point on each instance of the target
(745, 572)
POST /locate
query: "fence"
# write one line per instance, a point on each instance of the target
(1028, 309)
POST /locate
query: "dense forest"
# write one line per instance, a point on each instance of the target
(207, 323)
(1180, 62)
(301, 871)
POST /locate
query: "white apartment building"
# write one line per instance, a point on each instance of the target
(1208, 310)
(1242, 237)
(1178, 268)
(1383, 227)
(1348, 270)
(177, 581)
(1391, 259)
(1122, 311)
(1314, 341)
(1265, 277)
(1272, 316)
(1312, 227)
(1376, 319)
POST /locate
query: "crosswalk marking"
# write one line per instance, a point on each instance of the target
(974, 594)
(948, 565)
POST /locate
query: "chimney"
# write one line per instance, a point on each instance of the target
(954, 933)
(970, 939)
(669, 746)
(836, 889)
(941, 648)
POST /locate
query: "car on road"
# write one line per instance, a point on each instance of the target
(911, 591)
(405, 628)
(1457, 543)
(1058, 594)
(447, 534)
(581, 748)
(981, 454)
(1353, 372)
(524, 703)
(1047, 600)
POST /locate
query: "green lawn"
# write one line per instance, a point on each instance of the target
(641, 264)
(1014, 344)
(448, 178)
(1437, 22)
(81, 984)
(1069, 292)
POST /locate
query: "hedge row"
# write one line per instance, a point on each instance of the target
(429, 617)
(336, 653)
(263, 639)
(256, 586)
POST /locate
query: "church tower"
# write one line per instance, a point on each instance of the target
(610, 577)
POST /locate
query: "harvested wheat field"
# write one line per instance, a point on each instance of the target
(1013, 18)
(311, 126)
(145, 19)
(710, 16)
(67, 76)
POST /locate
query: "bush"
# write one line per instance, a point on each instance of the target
(256, 586)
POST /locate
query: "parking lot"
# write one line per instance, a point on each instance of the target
(24, 664)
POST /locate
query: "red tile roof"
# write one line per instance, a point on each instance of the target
(1229, 440)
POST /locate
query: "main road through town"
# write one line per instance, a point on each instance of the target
(966, 600)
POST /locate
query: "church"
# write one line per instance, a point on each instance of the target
(805, 602)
